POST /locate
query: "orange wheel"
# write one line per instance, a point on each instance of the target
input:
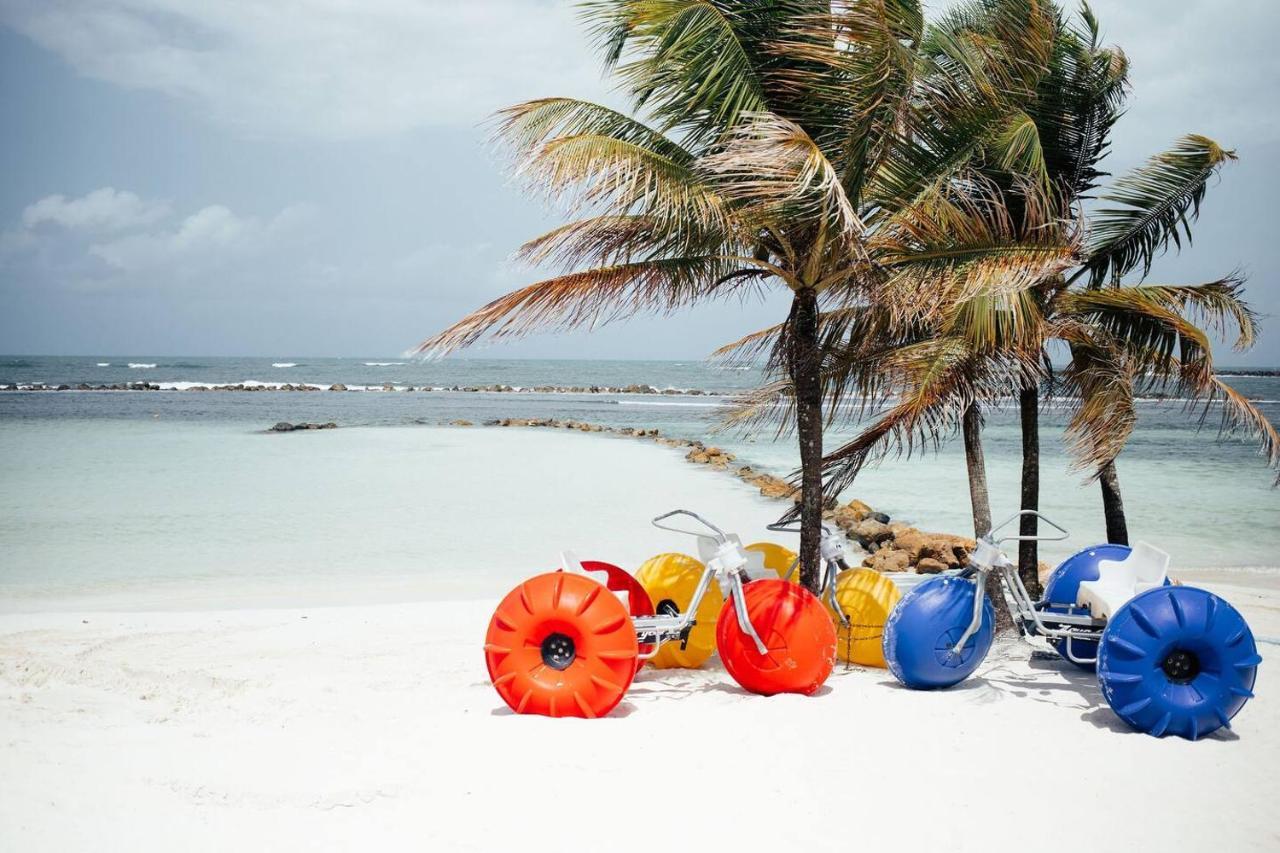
(795, 627)
(561, 645)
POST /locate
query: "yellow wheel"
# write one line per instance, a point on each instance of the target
(777, 558)
(867, 598)
(671, 580)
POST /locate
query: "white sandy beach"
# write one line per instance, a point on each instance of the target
(372, 726)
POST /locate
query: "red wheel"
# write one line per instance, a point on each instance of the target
(795, 627)
(619, 579)
(561, 645)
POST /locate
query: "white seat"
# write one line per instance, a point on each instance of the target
(1145, 568)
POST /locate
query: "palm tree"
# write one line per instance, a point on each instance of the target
(1066, 130)
(1122, 339)
(796, 143)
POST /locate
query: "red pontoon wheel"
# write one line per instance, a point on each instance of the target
(561, 645)
(619, 579)
(795, 627)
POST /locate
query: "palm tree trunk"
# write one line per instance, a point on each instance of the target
(806, 363)
(1029, 552)
(1113, 505)
(980, 502)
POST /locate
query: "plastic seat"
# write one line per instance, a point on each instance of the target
(1145, 568)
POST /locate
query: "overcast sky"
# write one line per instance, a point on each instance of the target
(307, 177)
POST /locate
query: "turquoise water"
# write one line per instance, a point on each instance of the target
(122, 491)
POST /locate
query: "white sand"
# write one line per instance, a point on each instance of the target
(373, 727)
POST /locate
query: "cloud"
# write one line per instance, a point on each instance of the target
(212, 234)
(114, 239)
(105, 209)
(319, 68)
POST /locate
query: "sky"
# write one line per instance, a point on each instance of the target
(311, 177)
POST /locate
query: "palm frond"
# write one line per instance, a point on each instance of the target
(847, 73)
(1150, 207)
(1240, 414)
(938, 379)
(526, 127)
(771, 170)
(1102, 382)
(993, 323)
(1145, 325)
(1217, 305)
(591, 298)
(749, 349)
(1017, 150)
(600, 173)
(952, 247)
(693, 64)
(613, 240)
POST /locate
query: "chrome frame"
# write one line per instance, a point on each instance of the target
(659, 629)
(1028, 613)
(831, 535)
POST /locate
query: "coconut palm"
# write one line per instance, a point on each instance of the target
(1066, 130)
(795, 143)
(1123, 339)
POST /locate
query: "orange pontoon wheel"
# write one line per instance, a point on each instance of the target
(795, 627)
(561, 645)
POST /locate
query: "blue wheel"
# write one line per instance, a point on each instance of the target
(924, 627)
(1061, 588)
(1177, 660)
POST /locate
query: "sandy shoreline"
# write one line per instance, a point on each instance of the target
(375, 728)
(268, 726)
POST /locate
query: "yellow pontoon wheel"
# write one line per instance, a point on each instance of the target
(671, 580)
(777, 558)
(867, 598)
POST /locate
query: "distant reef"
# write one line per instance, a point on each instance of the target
(385, 387)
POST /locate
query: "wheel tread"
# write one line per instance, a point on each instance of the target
(1178, 612)
(1126, 647)
(1140, 634)
(1143, 621)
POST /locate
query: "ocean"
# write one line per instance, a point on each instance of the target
(110, 490)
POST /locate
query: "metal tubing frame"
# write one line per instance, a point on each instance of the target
(830, 568)
(1068, 627)
(662, 629)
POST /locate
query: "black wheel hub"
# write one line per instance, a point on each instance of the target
(1181, 666)
(558, 651)
(667, 607)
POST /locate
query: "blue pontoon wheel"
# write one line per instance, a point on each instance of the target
(1061, 588)
(924, 627)
(1177, 660)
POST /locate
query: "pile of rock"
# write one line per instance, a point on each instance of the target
(285, 426)
(892, 546)
(582, 426)
(713, 456)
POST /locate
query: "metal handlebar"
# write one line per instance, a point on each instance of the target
(1019, 538)
(794, 527)
(718, 534)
